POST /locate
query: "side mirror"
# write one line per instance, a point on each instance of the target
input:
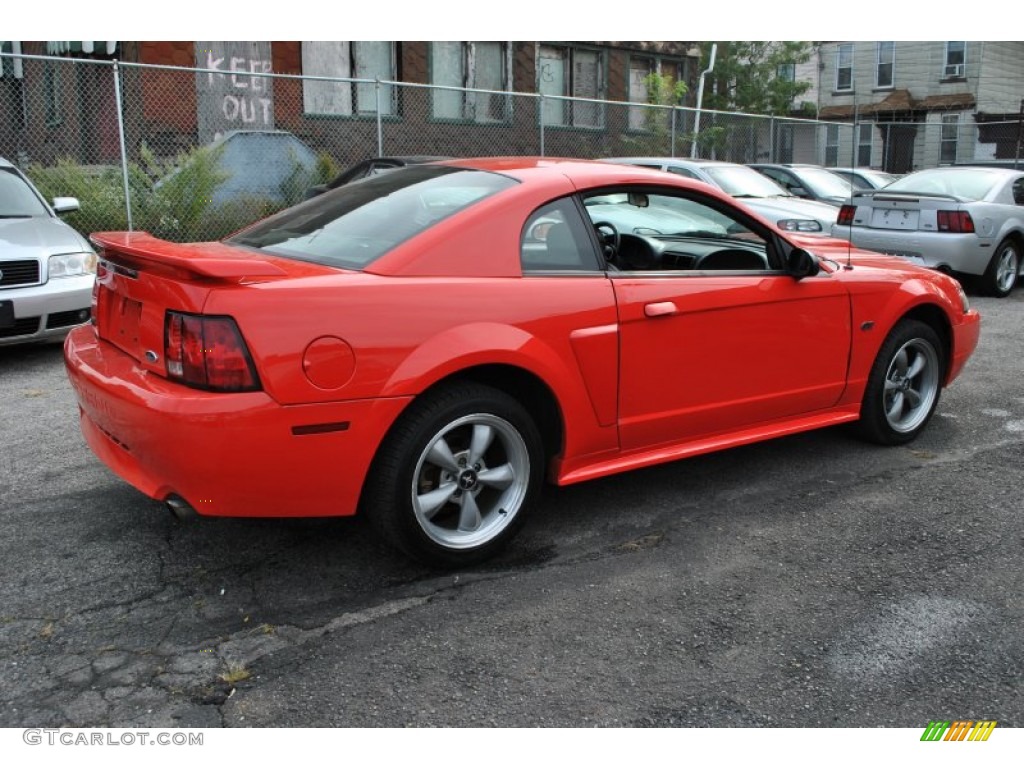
(65, 204)
(312, 192)
(801, 264)
(799, 191)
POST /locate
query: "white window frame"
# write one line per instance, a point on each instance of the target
(340, 96)
(879, 63)
(831, 145)
(949, 120)
(577, 114)
(955, 70)
(465, 106)
(865, 135)
(840, 49)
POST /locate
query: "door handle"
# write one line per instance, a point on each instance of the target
(660, 309)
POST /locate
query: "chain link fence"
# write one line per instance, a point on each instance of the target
(194, 154)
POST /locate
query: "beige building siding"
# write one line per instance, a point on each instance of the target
(1001, 79)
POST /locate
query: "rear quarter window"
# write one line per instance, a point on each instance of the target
(355, 225)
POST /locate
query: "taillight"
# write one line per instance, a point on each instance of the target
(954, 221)
(208, 353)
(102, 276)
(845, 217)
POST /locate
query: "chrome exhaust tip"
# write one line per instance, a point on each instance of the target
(181, 509)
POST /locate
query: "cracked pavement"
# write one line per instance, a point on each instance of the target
(810, 581)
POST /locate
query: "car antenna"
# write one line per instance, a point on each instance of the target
(849, 232)
(849, 224)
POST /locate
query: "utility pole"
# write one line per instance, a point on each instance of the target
(700, 98)
(1020, 135)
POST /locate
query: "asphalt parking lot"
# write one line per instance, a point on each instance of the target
(811, 581)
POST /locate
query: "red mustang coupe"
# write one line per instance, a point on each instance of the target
(430, 345)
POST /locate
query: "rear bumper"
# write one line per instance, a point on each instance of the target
(236, 455)
(966, 253)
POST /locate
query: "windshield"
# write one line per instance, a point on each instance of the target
(360, 222)
(879, 177)
(974, 184)
(741, 181)
(657, 215)
(17, 200)
(825, 183)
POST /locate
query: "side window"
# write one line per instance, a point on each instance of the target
(555, 238)
(658, 229)
(781, 178)
(1018, 191)
(686, 173)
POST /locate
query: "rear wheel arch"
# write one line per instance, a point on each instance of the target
(530, 390)
(524, 386)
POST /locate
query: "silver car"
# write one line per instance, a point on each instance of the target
(968, 221)
(759, 193)
(46, 268)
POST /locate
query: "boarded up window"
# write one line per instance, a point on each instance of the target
(363, 60)
(448, 68)
(477, 66)
(489, 74)
(639, 69)
(563, 71)
(374, 60)
(326, 59)
(586, 84)
(552, 81)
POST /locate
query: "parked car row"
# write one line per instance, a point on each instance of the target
(761, 194)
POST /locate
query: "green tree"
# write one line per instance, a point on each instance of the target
(755, 77)
(663, 91)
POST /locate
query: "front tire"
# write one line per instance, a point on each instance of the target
(904, 385)
(457, 474)
(1001, 275)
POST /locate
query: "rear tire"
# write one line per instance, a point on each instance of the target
(1001, 275)
(904, 385)
(456, 475)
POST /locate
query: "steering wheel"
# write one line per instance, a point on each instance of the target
(609, 238)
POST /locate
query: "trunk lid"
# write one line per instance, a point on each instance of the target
(902, 211)
(139, 278)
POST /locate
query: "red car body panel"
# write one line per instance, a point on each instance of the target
(643, 369)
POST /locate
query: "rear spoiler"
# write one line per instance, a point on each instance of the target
(212, 260)
(908, 197)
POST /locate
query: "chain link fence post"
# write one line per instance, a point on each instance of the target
(380, 118)
(540, 113)
(123, 144)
